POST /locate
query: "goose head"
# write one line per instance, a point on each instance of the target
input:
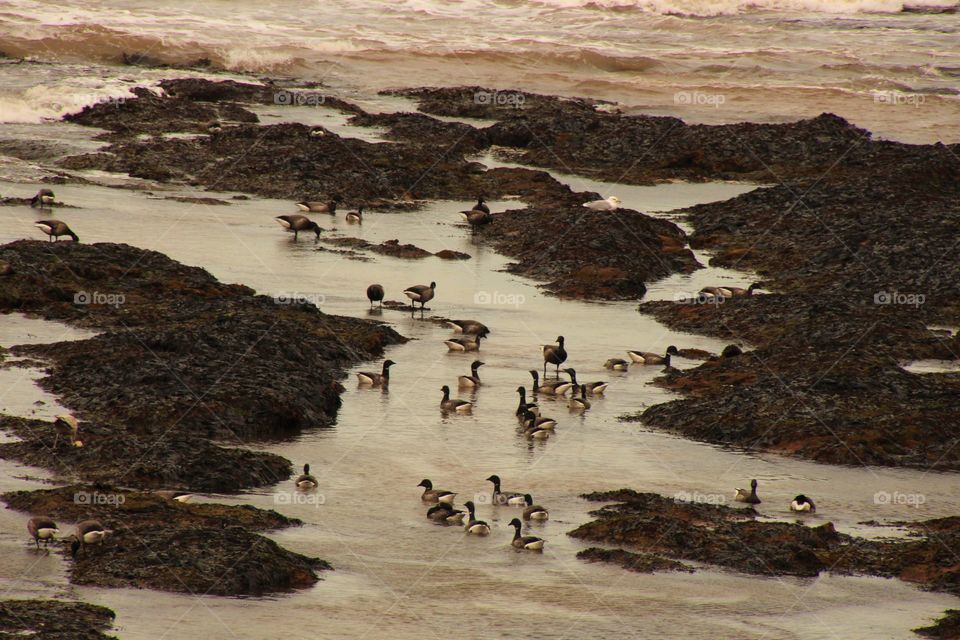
(388, 363)
(476, 363)
(470, 507)
(426, 484)
(672, 351)
(495, 479)
(516, 523)
(560, 340)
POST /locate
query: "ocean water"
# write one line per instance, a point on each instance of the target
(890, 66)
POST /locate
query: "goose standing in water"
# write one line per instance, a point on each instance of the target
(548, 387)
(435, 495)
(375, 293)
(474, 526)
(44, 198)
(445, 514)
(420, 293)
(42, 529)
(803, 504)
(648, 357)
(473, 380)
(381, 379)
(88, 532)
(581, 403)
(529, 543)
(298, 223)
(55, 228)
(466, 343)
(750, 497)
(476, 218)
(616, 364)
(594, 388)
(553, 354)
(534, 511)
(607, 204)
(504, 497)
(319, 207)
(305, 481)
(66, 426)
(457, 406)
(469, 327)
(355, 217)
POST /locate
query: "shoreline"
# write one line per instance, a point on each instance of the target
(788, 346)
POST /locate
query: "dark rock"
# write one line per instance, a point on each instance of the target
(54, 620)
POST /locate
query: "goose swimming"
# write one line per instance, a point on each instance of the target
(381, 379)
(306, 481)
(473, 380)
(529, 543)
(319, 207)
(750, 497)
(534, 511)
(504, 497)
(44, 198)
(435, 495)
(474, 526)
(455, 405)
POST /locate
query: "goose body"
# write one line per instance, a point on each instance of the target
(548, 387)
(716, 292)
(529, 543)
(531, 420)
(435, 495)
(607, 204)
(581, 403)
(56, 228)
(43, 198)
(481, 205)
(444, 513)
(466, 343)
(375, 293)
(455, 405)
(476, 218)
(740, 292)
(297, 223)
(648, 357)
(534, 511)
(504, 497)
(474, 526)
(469, 327)
(319, 207)
(88, 532)
(381, 379)
(306, 481)
(421, 293)
(473, 380)
(355, 216)
(536, 433)
(553, 354)
(66, 426)
(594, 388)
(803, 504)
(42, 529)
(750, 497)
(616, 364)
